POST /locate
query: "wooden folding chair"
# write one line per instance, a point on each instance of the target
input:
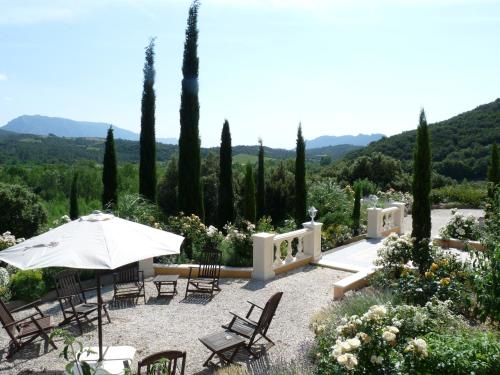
(172, 360)
(206, 279)
(25, 330)
(128, 282)
(73, 301)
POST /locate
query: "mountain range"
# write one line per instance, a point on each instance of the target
(62, 127)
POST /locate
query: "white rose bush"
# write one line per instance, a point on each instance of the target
(386, 339)
(461, 227)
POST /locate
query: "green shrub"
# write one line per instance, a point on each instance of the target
(135, 208)
(20, 211)
(465, 352)
(27, 285)
(465, 195)
(461, 227)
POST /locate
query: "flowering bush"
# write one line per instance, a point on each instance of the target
(392, 195)
(393, 256)
(239, 244)
(4, 285)
(385, 339)
(461, 227)
(7, 240)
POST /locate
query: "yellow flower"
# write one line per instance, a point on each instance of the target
(443, 262)
(405, 272)
(445, 281)
(429, 274)
(434, 267)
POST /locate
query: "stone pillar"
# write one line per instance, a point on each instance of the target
(374, 229)
(312, 242)
(146, 265)
(263, 256)
(399, 215)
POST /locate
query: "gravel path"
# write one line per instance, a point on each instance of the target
(177, 324)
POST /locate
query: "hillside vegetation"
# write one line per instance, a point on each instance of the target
(27, 148)
(460, 145)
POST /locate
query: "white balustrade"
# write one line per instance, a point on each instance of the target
(267, 255)
(383, 220)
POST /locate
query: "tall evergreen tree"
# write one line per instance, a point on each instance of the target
(147, 165)
(300, 179)
(261, 192)
(109, 173)
(225, 209)
(249, 197)
(494, 169)
(167, 189)
(421, 210)
(73, 199)
(356, 212)
(190, 190)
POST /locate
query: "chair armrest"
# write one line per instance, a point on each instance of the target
(242, 318)
(255, 305)
(142, 276)
(32, 304)
(21, 320)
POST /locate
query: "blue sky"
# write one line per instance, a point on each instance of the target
(339, 66)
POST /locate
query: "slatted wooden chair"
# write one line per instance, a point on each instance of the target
(254, 330)
(25, 330)
(128, 282)
(206, 279)
(73, 300)
(172, 360)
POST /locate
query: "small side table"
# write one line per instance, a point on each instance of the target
(166, 280)
(221, 344)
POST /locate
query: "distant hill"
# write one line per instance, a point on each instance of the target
(62, 127)
(333, 140)
(460, 145)
(29, 148)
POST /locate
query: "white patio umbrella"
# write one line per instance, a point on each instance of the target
(98, 241)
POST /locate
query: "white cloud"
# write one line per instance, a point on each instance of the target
(3, 77)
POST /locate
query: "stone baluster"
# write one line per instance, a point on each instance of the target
(289, 251)
(277, 254)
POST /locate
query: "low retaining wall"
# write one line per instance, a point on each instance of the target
(456, 243)
(183, 270)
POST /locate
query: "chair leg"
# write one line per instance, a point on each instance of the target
(77, 318)
(106, 313)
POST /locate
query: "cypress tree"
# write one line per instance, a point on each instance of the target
(190, 190)
(147, 165)
(261, 193)
(493, 171)
(109, 173)
(225, 209)
(167, 189)
(421, 211)
(73, 199)
(249, 197)
(356, 212)
(300, 179)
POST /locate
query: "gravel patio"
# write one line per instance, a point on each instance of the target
(162, 324)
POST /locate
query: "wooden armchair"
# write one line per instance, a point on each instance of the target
(175, 363)
(254, 330)
(25, 330)
(73, 301)
(128, 282)
(207, 277)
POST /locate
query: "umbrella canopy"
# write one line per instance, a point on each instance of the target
(97, 241)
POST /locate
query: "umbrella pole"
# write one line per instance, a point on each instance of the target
(99, 313)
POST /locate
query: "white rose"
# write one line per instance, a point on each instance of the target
(388, 336)
(354, 343)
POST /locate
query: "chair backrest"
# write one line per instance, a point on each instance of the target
(210, 262)
(7, 318)
(175, 363)
(68, 285)
(127, 274)
(267, 314)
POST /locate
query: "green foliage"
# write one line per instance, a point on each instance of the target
(190, 190)
(461, 227)
(493, 171)
(333, 203)
(461, 353)
(486, 281)
(194, 231)
(210, 179)
(261, 193)
(465, 195)
(72, 352)
(147, 164)
(279, 193)
(249, 198)
(460, 145)
(4, 285)
(167, 189)
(135, 208)
(356, 211)
(109, 173)
(27, 285)
(20, 211)
(73, 199)
(225, 209)
(300, 179)
(238, 244)
(421, 210)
